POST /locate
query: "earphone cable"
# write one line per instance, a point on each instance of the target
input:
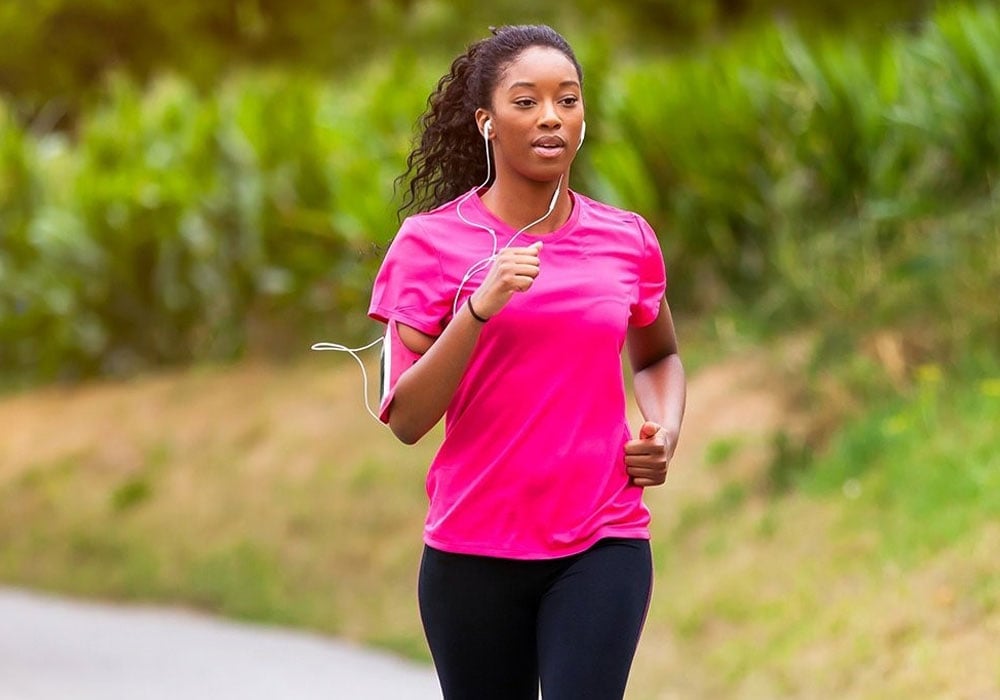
(469, 273)
(353, 352)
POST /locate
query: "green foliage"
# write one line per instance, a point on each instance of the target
(54, 52)
(925, 466)
(130, 494)
(242, 580)
(810, 178)
(175, 222)
(721, 451)
(805, 176)
(790, 459)
(769, 131)
(57, 51)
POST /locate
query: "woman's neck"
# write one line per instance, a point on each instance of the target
(518, 202)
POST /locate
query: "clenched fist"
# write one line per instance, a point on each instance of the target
(648, 457)
(513, 270)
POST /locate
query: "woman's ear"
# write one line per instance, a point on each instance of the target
(484, 123)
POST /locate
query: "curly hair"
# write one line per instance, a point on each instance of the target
(448, 159)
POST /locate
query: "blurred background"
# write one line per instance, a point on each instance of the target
(192, 193)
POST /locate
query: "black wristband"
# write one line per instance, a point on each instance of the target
(473, 312)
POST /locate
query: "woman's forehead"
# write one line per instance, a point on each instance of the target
(537, 64)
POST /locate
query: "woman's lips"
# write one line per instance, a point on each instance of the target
(549, 151)
(549, 146)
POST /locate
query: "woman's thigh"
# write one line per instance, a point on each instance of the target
(590, 620)
(479, 618)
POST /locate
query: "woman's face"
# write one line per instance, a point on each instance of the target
(537, 115)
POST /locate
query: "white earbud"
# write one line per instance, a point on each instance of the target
(583, 132)
(487, 128)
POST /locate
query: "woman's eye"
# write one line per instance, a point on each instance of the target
(524, 102)
(570, 100)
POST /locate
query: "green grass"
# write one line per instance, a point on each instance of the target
(924, 468)
(296, 509)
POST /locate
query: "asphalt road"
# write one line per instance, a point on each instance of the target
(55, 649)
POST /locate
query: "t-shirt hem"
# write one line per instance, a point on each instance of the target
(477, 549)
(646, 319)
(383, 314)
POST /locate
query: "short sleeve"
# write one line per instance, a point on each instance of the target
(652, 284)
(408, 286)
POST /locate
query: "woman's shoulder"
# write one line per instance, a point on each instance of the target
(597, 212)
(431, 232)
(443, 210)
(431, 222)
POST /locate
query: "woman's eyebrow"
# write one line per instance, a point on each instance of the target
(529, 84)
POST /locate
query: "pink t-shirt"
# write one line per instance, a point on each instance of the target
(532, 463)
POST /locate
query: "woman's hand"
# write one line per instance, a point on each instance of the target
(648, 457)
(513, 270)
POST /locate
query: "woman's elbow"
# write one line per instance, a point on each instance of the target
(405, 431)
(406, 438)
(410, 419)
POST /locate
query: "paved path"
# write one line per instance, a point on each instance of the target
(54, 649)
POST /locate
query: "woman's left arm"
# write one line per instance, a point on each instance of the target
(660, 391)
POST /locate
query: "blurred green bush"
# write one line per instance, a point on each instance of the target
(175, 222)
(801, 176)
(812, 178)
(52, 52)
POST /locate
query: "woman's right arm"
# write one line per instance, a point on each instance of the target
(424, 391)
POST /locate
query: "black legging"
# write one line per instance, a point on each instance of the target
(497, 626)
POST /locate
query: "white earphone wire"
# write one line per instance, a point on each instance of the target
(469, 274)
(481, 264)
(353, 352)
